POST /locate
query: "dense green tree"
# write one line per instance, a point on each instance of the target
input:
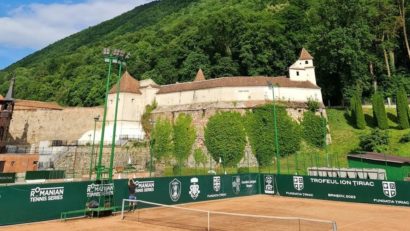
(356, 111)
(379, 111)
(161, 137)
(314, 129)
(225, 138)
(402, 108)
(183, 138)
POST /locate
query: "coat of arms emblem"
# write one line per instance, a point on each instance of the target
(194, 188)
(389, 188)
(236, 184)
(175, 190)
(217, 183)
(298, 182)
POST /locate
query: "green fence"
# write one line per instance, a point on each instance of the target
(54, 174)
(339, 189)
(38, 202)
(7, 178)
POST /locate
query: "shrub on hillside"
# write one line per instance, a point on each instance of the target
(376, 141)
(313, 105)
(405, 138)
(161, 138)
(379, 112)
(402, 108)
(225, 137)
(314, 129)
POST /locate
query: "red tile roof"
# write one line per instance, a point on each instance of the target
(199, 76)
(304, 55)
(237, 81)
(128, 84)
(1, 97)
(380, 157)
(35, 105)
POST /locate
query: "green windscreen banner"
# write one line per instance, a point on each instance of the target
(344, 189)
(7, 178)
(39, 202)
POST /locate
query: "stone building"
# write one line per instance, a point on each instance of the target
(205, 96)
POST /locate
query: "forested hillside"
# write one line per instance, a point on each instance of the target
(355, 43)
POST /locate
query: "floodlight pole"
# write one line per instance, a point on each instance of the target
(115, 119)
(324, 137)
(276, 129)
(109, 58)
(92, 148)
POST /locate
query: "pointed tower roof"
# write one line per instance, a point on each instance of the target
(128, 84)
(199, 76)
(304, 55)
(9, 95)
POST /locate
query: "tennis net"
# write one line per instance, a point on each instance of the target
(196, 219)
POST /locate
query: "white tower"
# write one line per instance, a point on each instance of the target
(303, 69)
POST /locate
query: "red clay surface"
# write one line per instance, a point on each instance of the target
(348, 216)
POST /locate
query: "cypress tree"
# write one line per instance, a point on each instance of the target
(357, 111)
(402, 108)
(379, 112)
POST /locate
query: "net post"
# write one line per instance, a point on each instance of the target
(334, 226)
(209, 228)
(299, 223)
(122, 209)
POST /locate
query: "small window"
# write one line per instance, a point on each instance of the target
(12, 163)
(35, 162)
(306, 62)
(297, 73)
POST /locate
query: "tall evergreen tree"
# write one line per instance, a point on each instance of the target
(402, 108)
(357, 110)
(379, 112)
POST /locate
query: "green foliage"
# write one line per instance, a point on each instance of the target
(243, 170)
(402, 108)
(146, 119)
(225, 137)
(261, 133)
(313, 105)
(314, 129)
(356, 111)
(405, 138)
(379, 111)
(199, 157)
(184, 137)
(377, 141)
(161, 138)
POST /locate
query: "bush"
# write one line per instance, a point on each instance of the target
(243, 170)
(374, 142)
(225, 137)
(402, 108)
(379, 112)
(184, 137)
(199, 157)
(405, 138)
(313, 105)
(261, 133)
(357, 111)
(314, 129)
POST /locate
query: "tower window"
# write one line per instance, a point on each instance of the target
(306, 62)
(297, 73)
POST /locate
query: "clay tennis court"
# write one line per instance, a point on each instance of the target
(348, 216)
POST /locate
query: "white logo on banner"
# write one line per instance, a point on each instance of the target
(389, 188)
(298, 182)
(194, 188)
(269, 185)
(217, 183)
(144, 186)
(46, 194)
(175, 190)
(236, 184)
(96, 190)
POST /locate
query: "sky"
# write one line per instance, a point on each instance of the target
(30, 25)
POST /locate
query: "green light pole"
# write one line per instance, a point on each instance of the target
(151, 144)
(121, 56)
(324, 136)
(92, 148)
(276, 129)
